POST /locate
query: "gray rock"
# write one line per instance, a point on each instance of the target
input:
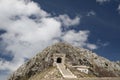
(99, 66)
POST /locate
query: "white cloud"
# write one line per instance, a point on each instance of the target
(11, 66)
(3, 76)
(26, 36)
(119, 8)
(102, 1)
(102, 44)
(91, 13)
(76, 38)
(67, 21)
(91, 46)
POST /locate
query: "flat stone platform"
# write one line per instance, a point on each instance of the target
(66, 73)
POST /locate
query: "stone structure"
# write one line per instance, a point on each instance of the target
(58, 58)
(82, 68)
(59, 61)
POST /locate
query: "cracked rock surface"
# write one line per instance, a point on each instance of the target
(99, 66)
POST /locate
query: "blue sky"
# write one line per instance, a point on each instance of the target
(103, 21)
(29, 26)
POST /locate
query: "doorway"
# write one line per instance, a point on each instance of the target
(59, 60)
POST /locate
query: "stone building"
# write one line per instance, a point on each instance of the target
(58, 58)
(83, 69)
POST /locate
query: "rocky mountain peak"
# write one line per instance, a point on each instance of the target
(98, 66)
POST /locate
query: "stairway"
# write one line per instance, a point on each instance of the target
(66, 73)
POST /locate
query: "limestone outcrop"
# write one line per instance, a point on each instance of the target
(99, 66)
(118, 62)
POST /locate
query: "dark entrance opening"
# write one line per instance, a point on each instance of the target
(59, 60)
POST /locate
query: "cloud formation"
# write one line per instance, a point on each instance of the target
(102, 1)
(91, 13)
(119, 8)
(67, 21)
(29, 29)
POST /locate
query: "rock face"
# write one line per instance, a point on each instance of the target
(118, 62)
(99, 66)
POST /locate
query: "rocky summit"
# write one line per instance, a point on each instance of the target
(63, 60)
